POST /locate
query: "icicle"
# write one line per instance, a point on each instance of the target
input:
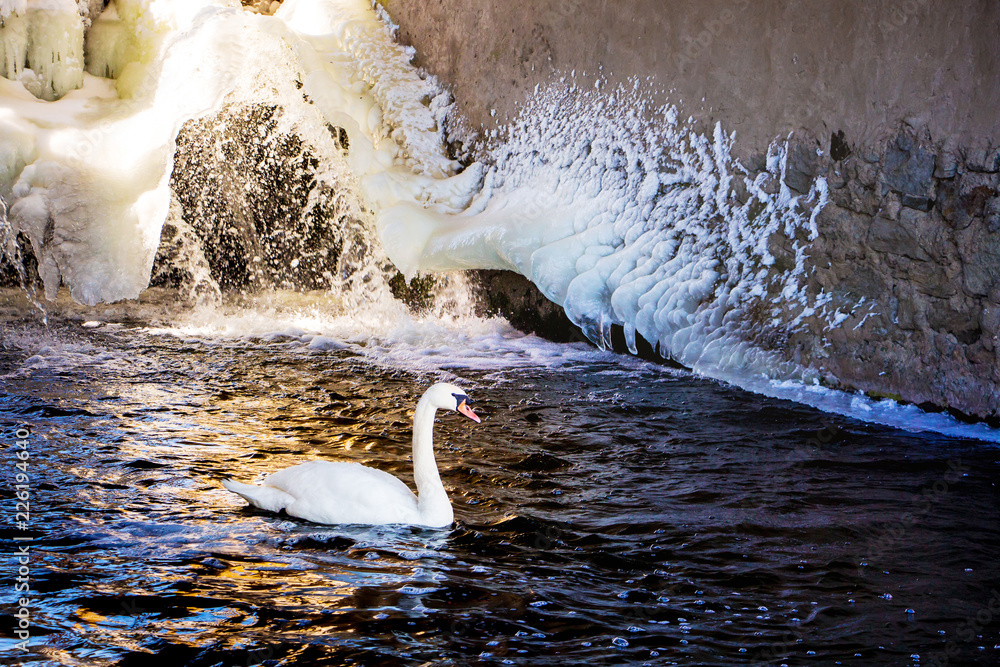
(13, 45)
(55, 50)
(630, 338)
(41, 45)
(110, 44)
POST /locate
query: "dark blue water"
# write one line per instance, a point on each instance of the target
(608, 512)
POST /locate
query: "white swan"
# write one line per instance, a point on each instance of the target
(327, 492)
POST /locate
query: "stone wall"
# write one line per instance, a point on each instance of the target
(897, 104)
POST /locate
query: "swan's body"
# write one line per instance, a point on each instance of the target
(328, 492)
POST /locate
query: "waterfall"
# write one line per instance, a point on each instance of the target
(290, 144)
(12, 260)
(213, 148)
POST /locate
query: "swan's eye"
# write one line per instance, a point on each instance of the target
(462, 398)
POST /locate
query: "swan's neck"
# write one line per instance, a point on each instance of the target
(432, 499)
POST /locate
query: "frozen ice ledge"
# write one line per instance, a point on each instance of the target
(295, 145)
(875, 100)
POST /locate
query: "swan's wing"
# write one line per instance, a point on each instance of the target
(329, 492)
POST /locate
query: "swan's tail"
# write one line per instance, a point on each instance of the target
(264, 497)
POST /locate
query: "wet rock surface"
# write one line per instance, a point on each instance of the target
(253, 197)
(923, 251)
(515, 297)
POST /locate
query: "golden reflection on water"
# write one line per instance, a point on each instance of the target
(179, 441)
(579, 517)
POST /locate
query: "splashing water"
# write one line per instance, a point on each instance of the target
(11, 254)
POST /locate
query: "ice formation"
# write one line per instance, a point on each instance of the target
(618, 219)
(86, 175)
(648, 225)
(42, 44)
(111, 44)
(622, 220)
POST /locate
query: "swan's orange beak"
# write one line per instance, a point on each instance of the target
(464, 408)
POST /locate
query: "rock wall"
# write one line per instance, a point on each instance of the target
(895, 103)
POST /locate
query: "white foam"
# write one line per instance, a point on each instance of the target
(877, 411)
(440, 341)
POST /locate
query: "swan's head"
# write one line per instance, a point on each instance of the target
(445, 396)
